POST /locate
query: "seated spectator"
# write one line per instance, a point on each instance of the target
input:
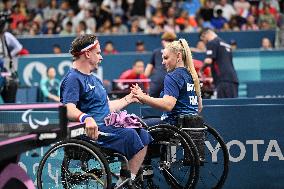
(109, 48)
(184, 20)
(121, 28)
(227, 9)
(56, 49)
(50, 86)
(250, 24)
(82, 28)
(200, 47)
(219, 21)
(268, 17)
(137, 72)
(242, 7)
(140, 47)
(266, 44)
(67, 29)
(171, 26)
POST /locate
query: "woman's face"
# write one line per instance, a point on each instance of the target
(169, 59)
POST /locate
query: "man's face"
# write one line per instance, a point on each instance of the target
(95, 57)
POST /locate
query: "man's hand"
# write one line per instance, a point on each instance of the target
(91, 128)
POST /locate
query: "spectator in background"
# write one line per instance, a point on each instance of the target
(171, 26)
(140, 47)
(49, 28)
(219, 57)
(227, 9)
(268, 17)
(109, 48)
(137, 72)
(200, 47)
(10, 48)
(67, 29)
(242, 8)
(121, 28)
(266, 44)
(155, 69)
(56, 49)
(218, 21)
(106, 27)
(206, 11)
(250, 24)
(17, 16)
(50, 86)
(82, 28)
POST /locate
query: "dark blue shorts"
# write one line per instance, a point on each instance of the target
(125, 140)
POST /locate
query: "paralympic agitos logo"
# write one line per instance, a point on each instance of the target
(33, 122)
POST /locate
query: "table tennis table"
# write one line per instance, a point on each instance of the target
(26, 127)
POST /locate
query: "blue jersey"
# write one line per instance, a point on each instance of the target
(179, 84)
(89, 95)
(87, 92)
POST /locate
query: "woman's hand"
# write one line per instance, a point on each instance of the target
(138, 93)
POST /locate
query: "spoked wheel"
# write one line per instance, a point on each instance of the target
(73, 164)
(215, 167)
(175, 156)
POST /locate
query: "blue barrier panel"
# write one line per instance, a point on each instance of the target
(265, 89)
(147, 111)
(126, 43)
(253, 134)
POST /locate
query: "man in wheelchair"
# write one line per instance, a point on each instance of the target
(86, 101)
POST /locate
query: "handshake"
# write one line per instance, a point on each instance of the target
(136, 95)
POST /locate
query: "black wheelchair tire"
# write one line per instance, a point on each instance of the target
(224, 148)
(194, 175)
(80, 143)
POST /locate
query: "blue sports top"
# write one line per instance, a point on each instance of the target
(87, 93)
(179, 84)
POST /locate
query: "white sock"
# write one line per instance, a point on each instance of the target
(133, 176)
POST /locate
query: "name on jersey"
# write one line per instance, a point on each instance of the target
(192, 99)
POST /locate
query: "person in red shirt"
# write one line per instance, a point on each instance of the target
(137, 72)
(207, 88)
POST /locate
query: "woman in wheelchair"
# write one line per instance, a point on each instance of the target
(181, 94)
(86, 101)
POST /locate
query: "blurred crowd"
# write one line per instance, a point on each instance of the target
(75, 17)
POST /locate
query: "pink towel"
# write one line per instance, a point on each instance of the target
(122, 119)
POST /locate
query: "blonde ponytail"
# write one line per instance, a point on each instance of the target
(188, 61)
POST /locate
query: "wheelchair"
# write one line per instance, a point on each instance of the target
(175, 159)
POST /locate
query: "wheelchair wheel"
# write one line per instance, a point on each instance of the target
(175, 155)
(73, 164)
(215, 167)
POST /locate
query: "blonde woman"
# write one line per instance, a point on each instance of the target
(181, 94)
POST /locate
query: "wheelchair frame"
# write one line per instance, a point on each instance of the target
(179, 137)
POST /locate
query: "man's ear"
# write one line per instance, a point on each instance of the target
(87, 54)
